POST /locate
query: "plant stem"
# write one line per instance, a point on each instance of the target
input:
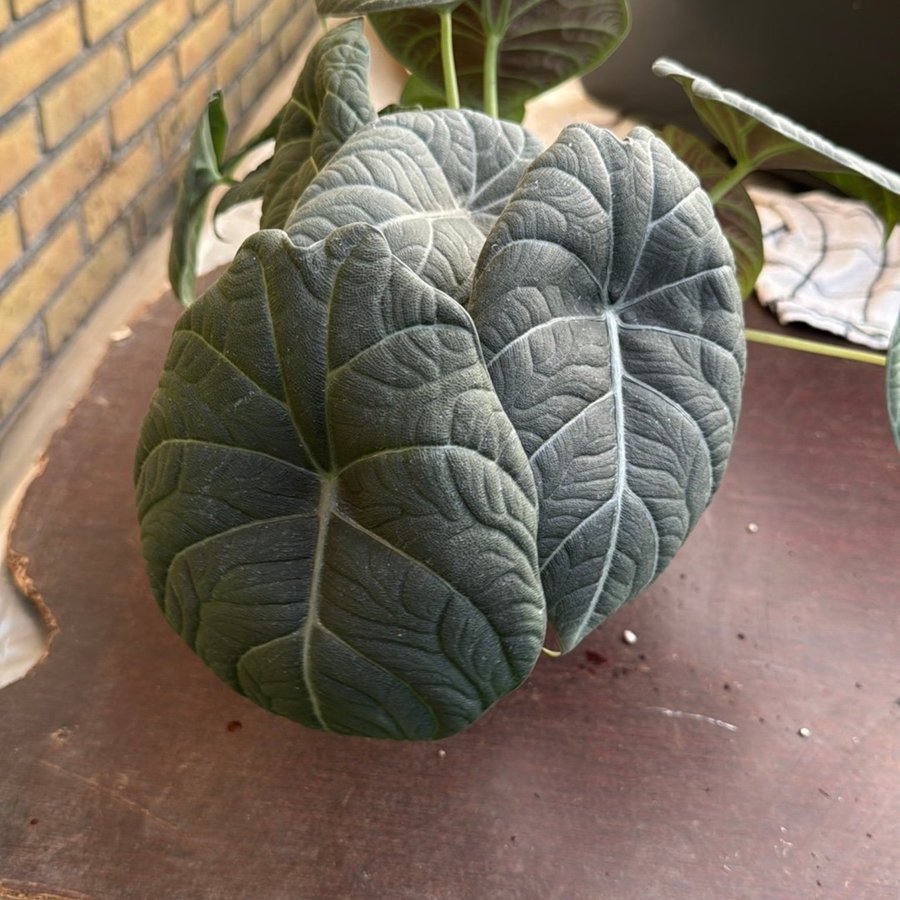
(792, 343)
(491, 101)
(451, 88)
(729, 181)
(323, 24)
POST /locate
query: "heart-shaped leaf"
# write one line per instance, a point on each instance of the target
(892, 382)
(330, 102)
(759, 138)
(336, 513)
(433, 182)
(518, 50)
(735, 210)
(612, 326)
(203, 171)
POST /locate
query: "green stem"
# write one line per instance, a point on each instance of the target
(792, 343)
(451, 88)
(491, 101)
(729, 181)
(323, 24)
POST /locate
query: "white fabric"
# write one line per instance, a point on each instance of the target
(826, 265)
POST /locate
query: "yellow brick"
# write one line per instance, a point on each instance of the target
(10, 245)
(40, 51)
(143, 100)
(201, 6)
(19, 151)
(273, 17)
(63, 179)
(297, 31)
(108, 260)
(65, 106)
(236, 56)
(106, 201)
(4, 15)
(31, 290)
(155, 204)
(154, 29)
(23, 7)
(180, 120)
(201, 43)
(20, 371)
(259, 76)
(243, 8)
(101, 16)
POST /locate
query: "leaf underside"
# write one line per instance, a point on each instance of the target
(735, 211)
(312, 499)
(541, 44)
(760, 138)
(612, 327)
(433, 182)
(329, 103)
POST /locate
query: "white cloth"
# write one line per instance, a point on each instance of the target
(826, 265)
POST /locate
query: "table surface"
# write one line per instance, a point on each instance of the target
(670, 768)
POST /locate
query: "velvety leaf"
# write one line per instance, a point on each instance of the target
(612, 327)
(251, 187)
(330, 102)
(735, 210)
(433, 182)
(540, 44)
(203, 171)
(335, 511)
(892, 382)
(759, 138)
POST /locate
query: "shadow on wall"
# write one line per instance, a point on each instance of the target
(829, 64)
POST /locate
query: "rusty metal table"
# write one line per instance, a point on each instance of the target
(670, 768)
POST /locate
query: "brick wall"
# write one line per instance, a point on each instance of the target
(98, 100)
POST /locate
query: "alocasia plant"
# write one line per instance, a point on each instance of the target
(460, 391)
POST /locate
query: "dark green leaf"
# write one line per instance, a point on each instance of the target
(417, 92)
(250, 188)
(203, 172)
(612, 327)
(433, 182)
(759, 138)
(735, 211)
(335, 511)
(341, 8)
(541, 43)
(892, 382)
(330, 102)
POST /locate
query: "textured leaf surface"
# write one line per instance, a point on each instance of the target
(366, 7)
(330, 102)
(335, 511)
(203, 171)
(735, 211)
(612, 327)
(433, 182)
(760, 138)
(892, 381)
(540, 44)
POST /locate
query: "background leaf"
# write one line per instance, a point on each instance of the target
(335, 511)
(367, 7)
(250, 188)
(892, 381)
(735, 210)
(203, 171)
(612, 327)
(329, 103)
(541, 44)
(433, 182)
(759, 138)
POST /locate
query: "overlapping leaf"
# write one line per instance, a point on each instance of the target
(330, 102)
(735, 211)
(759, 138)
(611, 323)
(335, 511)
(539, 44)
(892, 382)
(433, 182)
